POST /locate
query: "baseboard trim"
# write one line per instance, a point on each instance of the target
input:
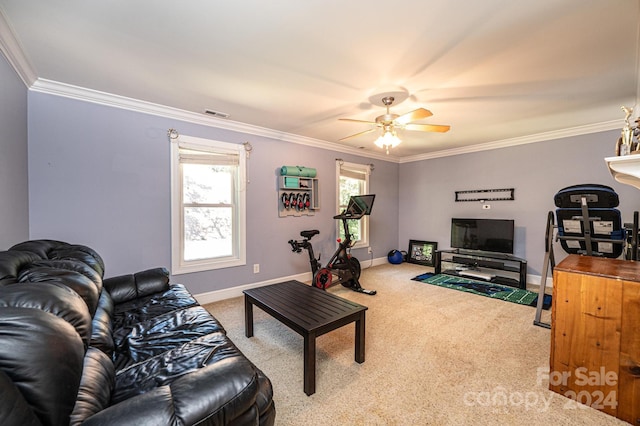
(229, 293)
(368, 263)
(537, 279)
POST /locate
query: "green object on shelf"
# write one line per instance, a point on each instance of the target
(291, 182)
(298, 171)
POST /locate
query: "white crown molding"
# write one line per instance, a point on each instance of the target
(12, 50)
(538, 137)
(108, 99)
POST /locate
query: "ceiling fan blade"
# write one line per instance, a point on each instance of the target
(428, 127)
(357, 121)
(417, 114)
(358, 134)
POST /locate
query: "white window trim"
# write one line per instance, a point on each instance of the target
(178, 266)
(366, 170)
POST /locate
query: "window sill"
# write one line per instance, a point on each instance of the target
(206, 266)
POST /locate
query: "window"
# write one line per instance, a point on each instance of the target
(353, 179)
(208, 205)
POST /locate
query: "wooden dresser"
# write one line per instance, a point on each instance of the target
(595, 334)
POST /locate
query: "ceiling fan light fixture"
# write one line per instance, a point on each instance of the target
(387, 140)
(389, 123)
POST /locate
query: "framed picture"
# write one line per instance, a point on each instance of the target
(422, 252)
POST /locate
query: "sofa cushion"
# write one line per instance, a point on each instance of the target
(72, 265)
(96, 386)
(264, 400)
(162, 333)
(52, 249)
(153, 408)
(14, 409)
(11, 262)
(67, 273)
(210, 370)
(132, 312)
(81, 253)
(39, 247)
(54, 298)
(102, 325)
(43, 356)
(164, 368)
(129, 287)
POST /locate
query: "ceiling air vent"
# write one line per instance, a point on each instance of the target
(216, 113)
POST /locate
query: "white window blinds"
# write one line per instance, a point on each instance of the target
(198, 154)
(354, 171)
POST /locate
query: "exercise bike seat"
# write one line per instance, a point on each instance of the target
(308, 234)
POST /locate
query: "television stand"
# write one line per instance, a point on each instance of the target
(498, 268)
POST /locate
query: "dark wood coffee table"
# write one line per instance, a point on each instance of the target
(310, 312)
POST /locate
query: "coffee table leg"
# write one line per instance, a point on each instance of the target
(309, 364)
(360, 323)
(248, 317)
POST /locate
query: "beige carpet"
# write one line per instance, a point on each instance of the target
(434, 356)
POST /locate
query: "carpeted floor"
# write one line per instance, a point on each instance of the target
(486, 289)
(433, 357)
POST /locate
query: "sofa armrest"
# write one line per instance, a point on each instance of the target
(128, 287)
(216, 394)
(14, 409)
(151, 408)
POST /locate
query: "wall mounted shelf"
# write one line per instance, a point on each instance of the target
(625, 169)
(294, 186)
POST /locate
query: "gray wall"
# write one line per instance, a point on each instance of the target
(14, 190)
(536, 171)
(100, 176)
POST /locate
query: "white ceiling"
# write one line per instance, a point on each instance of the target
(495, 70)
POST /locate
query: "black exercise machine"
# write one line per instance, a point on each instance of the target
(588, 224)
(346, 267)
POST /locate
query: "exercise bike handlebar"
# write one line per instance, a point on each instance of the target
(295, 246)
(346, 215)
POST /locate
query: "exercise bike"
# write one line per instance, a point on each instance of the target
(342, 264)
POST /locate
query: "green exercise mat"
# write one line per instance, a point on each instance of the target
(298, 171)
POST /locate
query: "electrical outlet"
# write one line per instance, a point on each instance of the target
(369, 250)
(256, 268)
(486, 206)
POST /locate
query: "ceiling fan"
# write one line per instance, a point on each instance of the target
(391, 122)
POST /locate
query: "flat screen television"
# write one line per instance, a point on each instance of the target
(494, 235)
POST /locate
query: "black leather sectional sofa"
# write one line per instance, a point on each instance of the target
(130, 350)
